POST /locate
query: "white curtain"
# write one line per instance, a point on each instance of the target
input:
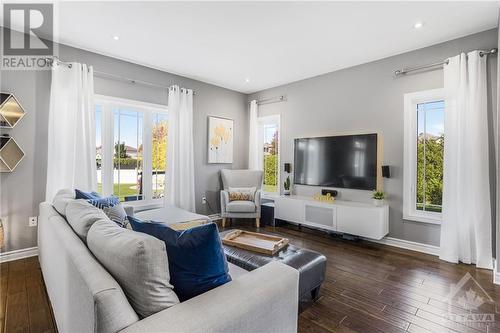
(71, 137)
(180, 156)
(466, 226)
(253, 141)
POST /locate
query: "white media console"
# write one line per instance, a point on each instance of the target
(349, 217)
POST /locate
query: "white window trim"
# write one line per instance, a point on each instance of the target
(410, 156)
(263, 120)
(107, 142)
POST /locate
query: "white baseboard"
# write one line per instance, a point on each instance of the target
(408, 245)
(18, 254)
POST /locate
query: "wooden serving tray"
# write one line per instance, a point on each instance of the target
(180, 226)
(254, 241)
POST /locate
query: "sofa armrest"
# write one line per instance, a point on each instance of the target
(224, 200)
(264, 300)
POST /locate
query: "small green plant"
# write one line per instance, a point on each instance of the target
(286, 184)
(378, 195)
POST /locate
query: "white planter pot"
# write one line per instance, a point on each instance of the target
(378, 202)
(286, 192)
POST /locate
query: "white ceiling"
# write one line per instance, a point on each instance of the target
(270, 43)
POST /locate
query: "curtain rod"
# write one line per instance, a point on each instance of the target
(271, 100)
(438, 64)
(115, 77)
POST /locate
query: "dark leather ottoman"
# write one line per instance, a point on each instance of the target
(310, 264)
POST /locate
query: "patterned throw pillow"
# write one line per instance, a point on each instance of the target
(241, 193)
(117, 214)
(104, 202)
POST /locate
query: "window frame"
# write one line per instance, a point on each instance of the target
(107, 146)
(411, 100)
(261, 121)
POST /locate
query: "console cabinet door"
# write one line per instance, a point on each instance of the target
(289, 210)
(369, 222)
(320, 215)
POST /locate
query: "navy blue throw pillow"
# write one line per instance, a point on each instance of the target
(86, 195)
(196, 259)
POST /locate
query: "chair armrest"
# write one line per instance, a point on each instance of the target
(224, 200)
(257, 200)
(263, 300)
(129, 210)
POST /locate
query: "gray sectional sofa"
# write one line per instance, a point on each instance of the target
(85, 296)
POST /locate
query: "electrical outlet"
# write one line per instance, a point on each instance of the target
(33, 221)
(203, 200)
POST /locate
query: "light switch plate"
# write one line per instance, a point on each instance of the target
(33, 221)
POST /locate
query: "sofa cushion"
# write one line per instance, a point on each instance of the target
(239, 206)
(62, 199)
(138, 262)
(81, 216)
(196, 257)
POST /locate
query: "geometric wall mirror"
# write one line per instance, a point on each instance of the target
(10, 154)
(11, 110)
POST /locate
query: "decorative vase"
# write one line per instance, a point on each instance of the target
(286, 192)
(378, 202)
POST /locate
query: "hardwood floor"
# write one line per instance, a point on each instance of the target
(369, 288)
(376, 288)
(24, 305)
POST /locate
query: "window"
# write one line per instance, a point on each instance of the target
(158, 155)
(269, 132)
(423, 156)
(131, 146)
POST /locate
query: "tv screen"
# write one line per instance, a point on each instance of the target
(347, 161)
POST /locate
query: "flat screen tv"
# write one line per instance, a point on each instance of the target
(346, 161)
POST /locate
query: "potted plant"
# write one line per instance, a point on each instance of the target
(286, 185)
(378, 198)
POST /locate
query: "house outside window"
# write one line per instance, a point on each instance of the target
(424, 156)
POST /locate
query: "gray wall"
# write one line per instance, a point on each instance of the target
(364, 98)
(367, 98)
(22, 190)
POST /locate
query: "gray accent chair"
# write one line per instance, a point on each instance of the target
(239, 208)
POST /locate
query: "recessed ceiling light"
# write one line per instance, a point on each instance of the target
(116, 37)
(247, 80)
(418, 25)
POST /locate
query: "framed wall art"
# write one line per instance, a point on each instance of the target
(220, 140)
